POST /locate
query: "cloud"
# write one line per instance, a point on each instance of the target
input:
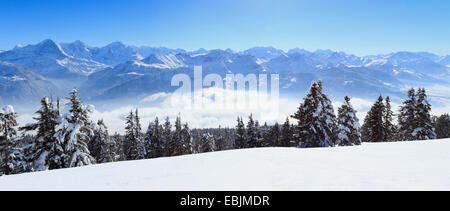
(154, 97)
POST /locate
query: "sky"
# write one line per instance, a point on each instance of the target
(361, 27)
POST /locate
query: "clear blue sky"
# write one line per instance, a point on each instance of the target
(355, 26)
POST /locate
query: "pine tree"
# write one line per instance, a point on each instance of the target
(207, 143)
(186, 139)
(45, 152)
(119, 147)
(407, 117)
(442, 126)
(102, 148)
(74, 131)
(154, 140)
(274, 136)
(167, 137)
(373, 127)
(348, 125)
(135, 146)
(316, 120)
(424, 128)
(287, 135)
(251, 138)
(12, 159)
(240, 140)
(389, 127)
(176, 142)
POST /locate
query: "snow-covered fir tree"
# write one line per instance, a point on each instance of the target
(407, 117)
(154, 140)
(373, 128)
(12, 159)
(287, 134)
(207, 143)
(390, 129)
(442, 126)
(240, 136)
(186, 139)
(176, 142)
(220, 140)
(348, 125)
(273, 137)
(102, 147)
(74, 131)
(45, 152)
(167, 137)
(134, 144)
(316, 119)
(251, 137)
(424, 128)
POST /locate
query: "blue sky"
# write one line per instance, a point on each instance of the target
(361, 27)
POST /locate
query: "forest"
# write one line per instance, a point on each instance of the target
(63, 140)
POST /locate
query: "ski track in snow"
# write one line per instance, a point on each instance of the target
(417, 165)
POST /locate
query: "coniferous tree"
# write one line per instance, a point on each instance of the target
(154, 140)
(45, 152)
(424, 128)
(134, 145)
(287, 135)
(251, 138)
(442, 126)
(186, 139)
(389, 127)
(348, 125)
(12, 160)
(407, 117)
(274, 136)
(74, 131)
(373, 127)
(207, 143)
(167, 137)
(119, 144)
(176, 142)
(316, 119)
(102, 148)
(240, 140)
(148, 140)
(221, 140)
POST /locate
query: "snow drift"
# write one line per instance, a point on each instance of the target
(417, 165)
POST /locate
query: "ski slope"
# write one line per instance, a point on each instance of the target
(418, 165)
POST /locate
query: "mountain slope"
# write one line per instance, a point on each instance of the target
(380, 166)
(48, 59)
(18, 85)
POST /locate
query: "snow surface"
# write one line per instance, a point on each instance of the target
(419, 165)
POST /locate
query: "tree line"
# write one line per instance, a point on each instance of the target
(56, 140)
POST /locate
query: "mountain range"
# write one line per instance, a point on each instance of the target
(120, 71)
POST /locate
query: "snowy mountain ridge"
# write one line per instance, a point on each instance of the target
(117, 70)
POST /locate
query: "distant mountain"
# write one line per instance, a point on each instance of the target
(118, 71)
(264, 53)
(445, 61)
(48, 59)
(18, 85)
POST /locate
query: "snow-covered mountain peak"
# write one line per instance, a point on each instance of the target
(264, 53)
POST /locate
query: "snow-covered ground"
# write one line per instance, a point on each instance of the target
(420, 165)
